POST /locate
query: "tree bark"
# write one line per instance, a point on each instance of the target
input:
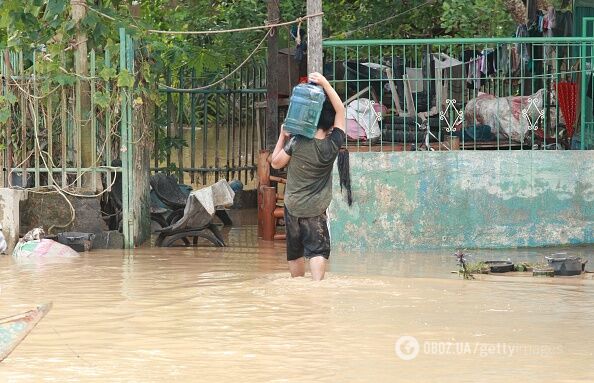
(314, 37)
(81, 68)
(272, 130)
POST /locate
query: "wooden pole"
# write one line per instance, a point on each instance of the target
(314, 37)
(81, 67)
(268, 206)
(272, 78)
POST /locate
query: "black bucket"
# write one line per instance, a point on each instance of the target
(566, 265)
(76, 241)
(500, 266)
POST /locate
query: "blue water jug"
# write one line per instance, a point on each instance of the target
(305, 108)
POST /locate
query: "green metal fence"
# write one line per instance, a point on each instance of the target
(44, 129)
(468, 94)
(204, 134)
(42, 134)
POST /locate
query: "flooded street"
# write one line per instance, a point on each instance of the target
(233, 315)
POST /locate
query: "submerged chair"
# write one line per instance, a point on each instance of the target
(194, 218)
(168, 191)
(114, 205)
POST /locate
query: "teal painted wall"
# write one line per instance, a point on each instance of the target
(465, 199)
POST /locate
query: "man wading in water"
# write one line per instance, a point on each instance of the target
(309, 184)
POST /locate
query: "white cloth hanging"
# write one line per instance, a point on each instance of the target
(363, 112)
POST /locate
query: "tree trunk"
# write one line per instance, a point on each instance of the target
(314, 37)
(272, 130)
(81, 68)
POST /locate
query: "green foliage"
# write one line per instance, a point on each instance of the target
(125, 79)
(107, 74)
(6, 101)
(102, 99)
(46, 28)
(481, 18)
(4, 114)
(26, 23)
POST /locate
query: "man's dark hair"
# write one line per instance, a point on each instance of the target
(327, 117)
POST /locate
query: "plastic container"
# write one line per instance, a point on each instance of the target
(76, 241)
(566, 265)
(236, 185)
(305, 109)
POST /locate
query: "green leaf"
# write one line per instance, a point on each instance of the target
(54, 8)
(91, 20)
(69, 25)
(101, 99)
(8, 97)
(107, 73)
(125, 79)
(65, 79)
(4, 114)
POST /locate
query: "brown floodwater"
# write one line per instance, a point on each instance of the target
(233, 315)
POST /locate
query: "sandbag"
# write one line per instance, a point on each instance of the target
(43, 248)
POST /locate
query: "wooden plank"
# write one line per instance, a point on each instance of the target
(395, 97)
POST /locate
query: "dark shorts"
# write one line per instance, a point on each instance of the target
(307, 237)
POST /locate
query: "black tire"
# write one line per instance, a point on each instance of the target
(500, 266)
(411, 124)
(398, 136)
(159, 219)
(398, 128)
(175, 216)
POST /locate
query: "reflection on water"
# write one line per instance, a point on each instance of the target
(233, 315)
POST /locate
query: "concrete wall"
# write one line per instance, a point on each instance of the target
(51, 211)
(10, 200)
(466, 199)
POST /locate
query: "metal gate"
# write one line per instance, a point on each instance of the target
(204, 134)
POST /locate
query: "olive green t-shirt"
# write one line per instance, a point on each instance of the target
(309, 175)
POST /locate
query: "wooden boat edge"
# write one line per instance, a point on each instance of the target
(32, 317)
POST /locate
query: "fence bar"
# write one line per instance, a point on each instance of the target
(180, 126)
(193, 123)
(35, 117)
(50, 140)
(130, 182)
(204, 136)
(241, 127)
(24, 150)
(108, 154)
(125, 155)
(217, 133)
(169, 119)
(228, 125)
(93, 117)
(258, 90)
(64, 122)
